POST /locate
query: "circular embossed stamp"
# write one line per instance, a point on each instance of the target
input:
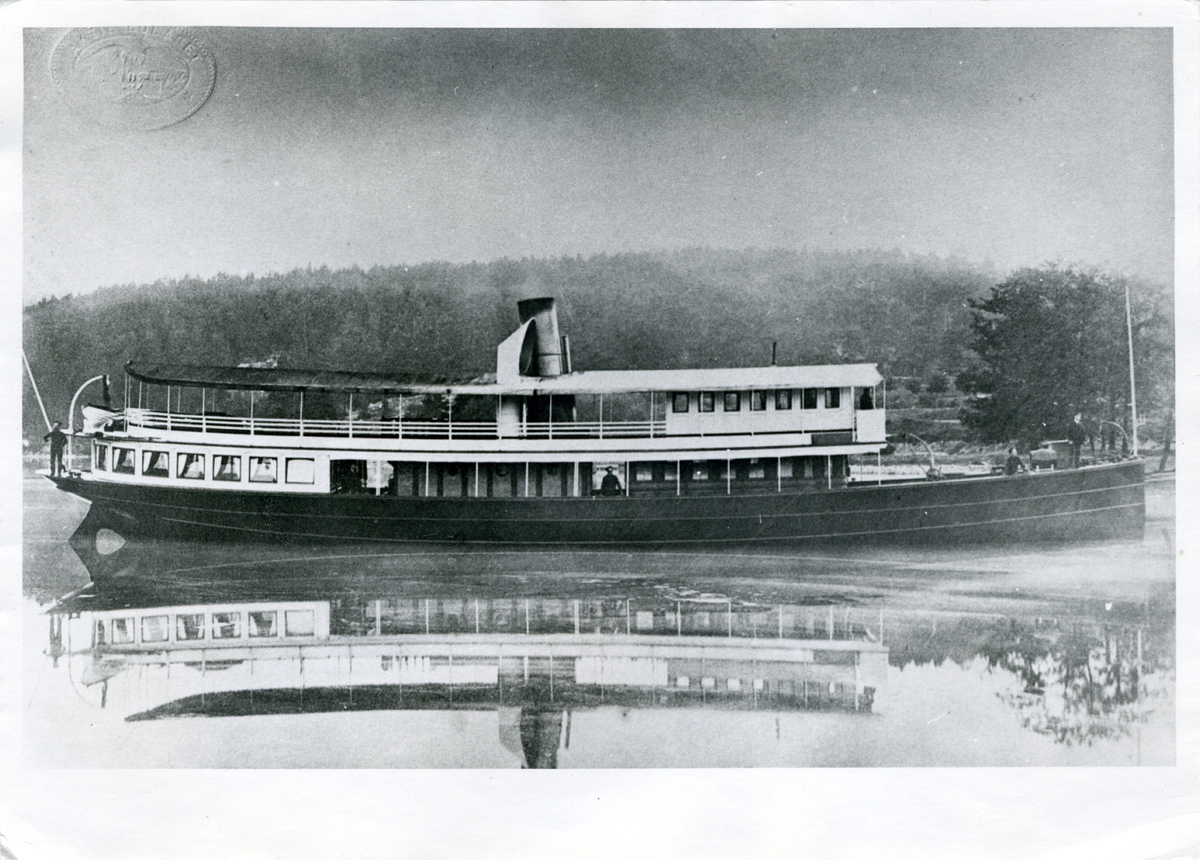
(137, 78)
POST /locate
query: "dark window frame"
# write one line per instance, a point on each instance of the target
(783, 399)
(833, 398)
(706, 401)
(731, 396)
(680, 396)
(181, 469)
(149, 456)
(758, 401)
(810, 398)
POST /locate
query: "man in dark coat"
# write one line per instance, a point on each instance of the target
(58, 441)
(1013, 464)
(610, 485)
(1076, 435)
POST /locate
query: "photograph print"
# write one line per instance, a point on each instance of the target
(598, 398)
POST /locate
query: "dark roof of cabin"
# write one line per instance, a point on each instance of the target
(281, 379)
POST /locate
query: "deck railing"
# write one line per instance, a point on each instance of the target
(391, 429)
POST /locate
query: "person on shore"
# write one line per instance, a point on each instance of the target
(1076, 435)
(1014, 463)
(610, 485)
(58, 441)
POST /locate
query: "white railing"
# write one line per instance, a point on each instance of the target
(389, 429)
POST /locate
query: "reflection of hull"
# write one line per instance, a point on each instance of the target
(1090, 503)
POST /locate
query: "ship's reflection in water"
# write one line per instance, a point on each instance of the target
(674, 660)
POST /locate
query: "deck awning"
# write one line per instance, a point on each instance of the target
(585, 382)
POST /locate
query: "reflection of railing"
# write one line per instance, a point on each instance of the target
(390, 429)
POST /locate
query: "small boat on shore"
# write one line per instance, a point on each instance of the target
(541, 454)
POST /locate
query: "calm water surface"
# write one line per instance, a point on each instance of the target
(853, 656)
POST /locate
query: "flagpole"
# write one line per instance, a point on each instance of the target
(1132, 386)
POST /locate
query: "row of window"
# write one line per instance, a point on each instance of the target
(226, 467)
(810, 398)
(191, 627)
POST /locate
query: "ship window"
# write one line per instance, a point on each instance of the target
(299, 471)
(100, 637)
(680, 401)
(191, 466)
(707, 401)
(785, 467)
(300, 622)
(757, 469)
(262, 624)
(189, 627)
(227, 467)
(262, 470)
(733, 401)
(810, 398)
(783, 398)
(156, 464)
(155, 627)
(122, 631)
(700, 471)
(123, 460)
(101, 458)
(758, 401)
(227, 625)
(643, 472)
(833, 398)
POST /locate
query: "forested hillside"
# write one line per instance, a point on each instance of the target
(696, 308)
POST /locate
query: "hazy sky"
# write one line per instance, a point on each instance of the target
(368, 147)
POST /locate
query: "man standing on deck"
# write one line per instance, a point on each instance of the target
(1076, 435)
(611, 485)
(58, 441)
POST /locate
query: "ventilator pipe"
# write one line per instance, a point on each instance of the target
(548, 346)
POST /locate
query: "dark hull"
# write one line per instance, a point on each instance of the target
(1091, 503)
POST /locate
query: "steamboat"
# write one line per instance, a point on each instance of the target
(540, 454)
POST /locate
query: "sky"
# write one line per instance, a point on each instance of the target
(1004, 147)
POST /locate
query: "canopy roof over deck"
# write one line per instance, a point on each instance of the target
(584, 382)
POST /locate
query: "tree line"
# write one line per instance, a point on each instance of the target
(916, 316)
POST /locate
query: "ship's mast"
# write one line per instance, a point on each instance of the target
(1132, 386)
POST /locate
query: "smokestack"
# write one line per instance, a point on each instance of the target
(548, 343)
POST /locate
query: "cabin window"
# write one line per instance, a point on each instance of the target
(101, 639)
(758, 401)
(263, 470)
(123, 460)
(810, 398)
(785, 467)
(227, 625)
(122, 631)
(783, 398)
(191, 466)
(700, 471)
(189, 627)
(757, 469)
(156, 464)
(262, 624)
(227, 467)
(643, 472)
(833, 398)
(299, 471)
(733, 401)
(101, 458)
(299, 622)
(680, 401)
(155, 628)
(707, 401)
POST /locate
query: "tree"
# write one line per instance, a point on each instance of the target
(1051, 342)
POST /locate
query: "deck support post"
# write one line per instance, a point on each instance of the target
(678, 618)
(450, 416)
(251, 413)
(526, 479)
(829, 471)
(550, 419)
(168, 407)
(728, 476)
(651, 414)
(601, 416)
(400, 417)
(204, 408)
(350, 416)
(575, 478)
(678, 470)
(477, 479)
(427, 477)
(879, 468)
(779, 474)
(301, 413)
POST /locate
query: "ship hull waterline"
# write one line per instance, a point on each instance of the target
(1091, 503)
